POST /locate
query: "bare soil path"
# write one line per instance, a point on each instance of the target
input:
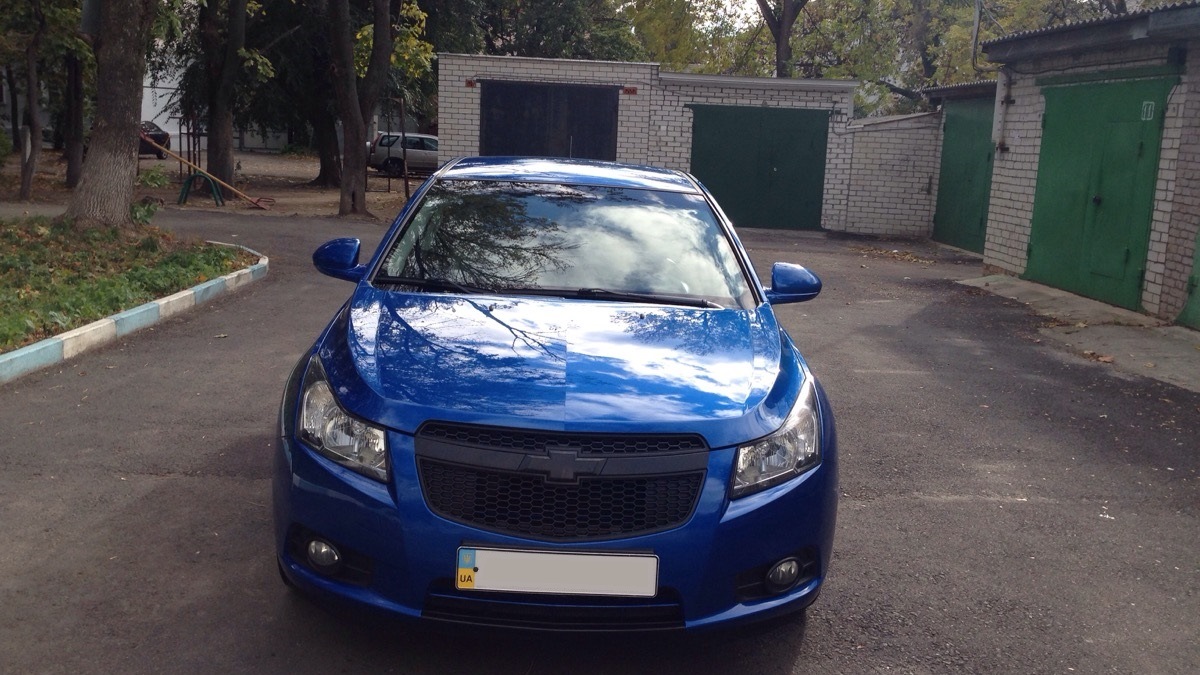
(284, 178)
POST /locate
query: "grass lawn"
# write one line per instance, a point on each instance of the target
(54, 278)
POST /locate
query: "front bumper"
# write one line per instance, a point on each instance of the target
(401, 556)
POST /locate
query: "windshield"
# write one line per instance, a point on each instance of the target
(511, 237)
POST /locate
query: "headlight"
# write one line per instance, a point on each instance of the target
(331, 431)
(784, 454)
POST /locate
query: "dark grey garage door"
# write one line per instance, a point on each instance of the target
(548, 120)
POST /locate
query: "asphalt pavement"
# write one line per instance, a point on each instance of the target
(1009, 503)
(1132, 343)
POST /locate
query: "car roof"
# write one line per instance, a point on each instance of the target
(568, 172)
(412, 134)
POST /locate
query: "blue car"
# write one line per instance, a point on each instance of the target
(558, 398)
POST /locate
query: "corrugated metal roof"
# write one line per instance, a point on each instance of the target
(1092, 22)
(966, 88)
(758, 82)
(872, 121)
(960, 85)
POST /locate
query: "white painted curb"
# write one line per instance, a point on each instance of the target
(74, 342)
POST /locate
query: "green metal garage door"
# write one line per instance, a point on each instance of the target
(965, 179)
(766, 166)
(1191, 312)
(1095, 188)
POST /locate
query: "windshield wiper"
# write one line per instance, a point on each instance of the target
(443, 284)
(625, 296)
(432, 283)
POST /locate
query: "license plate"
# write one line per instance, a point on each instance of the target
(619, 574)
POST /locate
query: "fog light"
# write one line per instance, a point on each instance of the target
(783, 575)
(323, 556)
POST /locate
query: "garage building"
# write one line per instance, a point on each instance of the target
(1096, 180)
(771, 150)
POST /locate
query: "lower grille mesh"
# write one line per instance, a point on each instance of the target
(659, 614)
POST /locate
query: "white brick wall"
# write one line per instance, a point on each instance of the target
(671, 126)
(893, 175)
(1179, 181)
(458, 96)
(1177, 196)
(1018, 127)
(654, 125)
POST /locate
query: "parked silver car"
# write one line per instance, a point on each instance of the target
(387, 152)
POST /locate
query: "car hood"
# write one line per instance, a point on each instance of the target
(400, 359)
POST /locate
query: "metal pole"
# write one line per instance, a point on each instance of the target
(404, 148)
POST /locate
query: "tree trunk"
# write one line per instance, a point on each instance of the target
(324, 126)
(781, 25)
(106, 185)
(783, 54)
(32, 150)
(14, 109)
(345, 82)
(356, 101)
(58, 125)
(220, 142)
(221, 66)
(74, 126)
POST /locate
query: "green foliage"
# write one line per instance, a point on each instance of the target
(5, 147)
(17, 24)
(709, 36)
(900, 46)
(54, 278)
(452, 25)
(154, 177)
(411, 55)
(142, 212)
(257, 66)
(567, 29)
(667, 31)
(293, 38)
(170, 20)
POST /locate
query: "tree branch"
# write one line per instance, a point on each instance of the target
(278, 38)
(768, 15)
(895, 89)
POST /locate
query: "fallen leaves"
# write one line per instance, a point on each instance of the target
(896, 254)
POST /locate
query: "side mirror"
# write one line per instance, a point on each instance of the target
(339, 259)
(792, 283)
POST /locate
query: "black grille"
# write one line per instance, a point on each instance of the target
(574, 615)
(525, 504)
(530, 441)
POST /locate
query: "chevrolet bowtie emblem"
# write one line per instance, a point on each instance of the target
(563, 465)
